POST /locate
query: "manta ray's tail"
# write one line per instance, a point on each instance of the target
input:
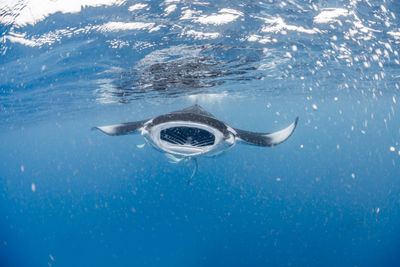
(196, 166)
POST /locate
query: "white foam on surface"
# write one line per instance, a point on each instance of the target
(278, 25)
(168, 10)
(137, 7)
(224, 16)
(202, 35)
(330, 15)
(123, 26)
(30, 12)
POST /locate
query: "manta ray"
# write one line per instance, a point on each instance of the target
(193, 131)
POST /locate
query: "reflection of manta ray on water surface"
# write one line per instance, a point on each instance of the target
(191, 132)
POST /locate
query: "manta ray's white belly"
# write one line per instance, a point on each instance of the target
(184, 138)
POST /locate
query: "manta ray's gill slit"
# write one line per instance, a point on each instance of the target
(187, 136)
(173, 139)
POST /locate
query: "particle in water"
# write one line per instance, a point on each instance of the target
(353, 176)
(378, 210)
(33, 187)
(278, 179)
(294, 48)
(301, 146)
(314, 106)
(392, 148)
(141, 145)
(22, 168)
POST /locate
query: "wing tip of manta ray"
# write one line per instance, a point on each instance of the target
(94, 128)
(294, 126)
(284, 134)
(109, 130)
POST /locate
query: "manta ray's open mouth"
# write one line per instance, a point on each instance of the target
(187, 136)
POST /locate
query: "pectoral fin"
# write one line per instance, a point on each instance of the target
(266, 139)
(121, 129)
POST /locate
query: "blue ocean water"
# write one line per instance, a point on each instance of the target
(328, 196)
